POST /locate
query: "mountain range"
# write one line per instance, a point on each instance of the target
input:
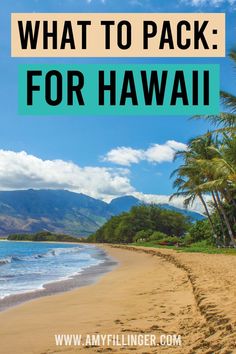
(28, 211)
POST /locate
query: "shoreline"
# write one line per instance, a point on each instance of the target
(59, 242)
(85, 277)
(151, 292)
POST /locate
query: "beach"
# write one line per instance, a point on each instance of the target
(151, 291)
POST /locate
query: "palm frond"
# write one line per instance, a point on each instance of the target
(226, 120)
(232, 55)
(228, 100)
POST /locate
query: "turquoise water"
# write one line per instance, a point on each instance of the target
(27, 266)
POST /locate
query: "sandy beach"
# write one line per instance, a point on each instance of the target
(152, 291)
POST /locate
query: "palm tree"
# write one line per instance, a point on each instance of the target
(225, 122)
(187, 183)
(208, 169)
(228, 99)
(217, 184)
(189, 179)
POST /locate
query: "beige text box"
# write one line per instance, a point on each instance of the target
(214, 34)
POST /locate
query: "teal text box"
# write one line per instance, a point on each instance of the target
(90, 91)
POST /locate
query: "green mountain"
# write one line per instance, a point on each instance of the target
(59, 211)
(121, 204)
(125, 203)
(52, 210)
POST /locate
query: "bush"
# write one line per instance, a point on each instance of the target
(143, 235)
(201, 230)
(157, 236)
(42, 236)
(187, 239)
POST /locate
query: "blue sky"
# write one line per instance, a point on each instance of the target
(84, 153)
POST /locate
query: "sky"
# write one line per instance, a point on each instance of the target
(104, 157)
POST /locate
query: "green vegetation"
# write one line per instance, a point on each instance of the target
(42, 236)
(141, 224)
(209, 170)
(198, 247)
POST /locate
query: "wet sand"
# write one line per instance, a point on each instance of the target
(151, 291)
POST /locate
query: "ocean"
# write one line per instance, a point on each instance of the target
(28, 266)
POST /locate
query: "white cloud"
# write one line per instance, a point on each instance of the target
(124, 156)
(175, 145)
(177, 202)
(145, 3)
(156, 153)
(215, 3)
(19, 170)
(102, 1)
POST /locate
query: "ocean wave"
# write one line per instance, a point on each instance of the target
(55, 252)
(5, 260)
(59, 251)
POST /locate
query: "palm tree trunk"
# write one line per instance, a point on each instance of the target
(220, 217)
(232, 202)
(208, 215)
(227, 223)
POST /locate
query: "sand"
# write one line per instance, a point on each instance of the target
(151, 292)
